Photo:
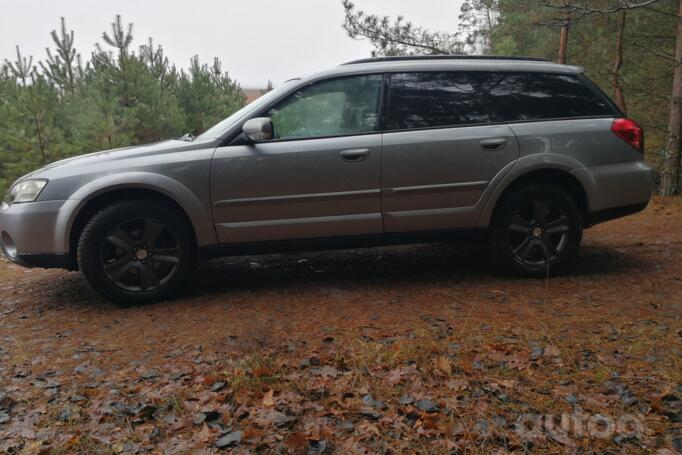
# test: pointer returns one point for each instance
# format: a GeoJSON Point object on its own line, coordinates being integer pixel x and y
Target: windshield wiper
{"type": "Point", "coordinates": [187, 137]}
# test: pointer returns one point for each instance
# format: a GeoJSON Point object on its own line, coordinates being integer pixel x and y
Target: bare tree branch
{"type": "Point", "coordinates": [659, 11]}
{"type": "Point", "coordinates": [572, 12]}
{"type": "Point", "coordinates": [396, 37]}
{"type": "Point", "coordinates": [655, 52]}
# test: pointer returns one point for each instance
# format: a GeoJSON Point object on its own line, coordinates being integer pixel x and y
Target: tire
{"type": "Point", "coordinates": [138, 251]}
{"type": "Point", "coordinates": [536, 231]}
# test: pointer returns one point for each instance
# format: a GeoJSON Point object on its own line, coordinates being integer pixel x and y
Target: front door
{"type": "Point", "coordinates": [440, 151]}
{"type": "Point", "coordinates": [318, 177]}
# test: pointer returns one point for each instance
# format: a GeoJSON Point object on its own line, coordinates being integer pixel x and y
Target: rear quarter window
{"type": "Point", "coordinates": [535, 96]}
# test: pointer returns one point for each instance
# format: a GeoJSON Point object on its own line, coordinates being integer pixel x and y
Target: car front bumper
{"type": "Point", "coordinates": [31, 234]}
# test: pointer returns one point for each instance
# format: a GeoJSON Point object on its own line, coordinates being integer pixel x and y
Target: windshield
{"type": "Point", "coordinates": [218, 129]}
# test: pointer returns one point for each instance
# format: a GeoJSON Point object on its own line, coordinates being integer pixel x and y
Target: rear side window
{"type": "Point", "coordinates": [536, 96]}
{"type": "Point", "coordinates": [433, 99]}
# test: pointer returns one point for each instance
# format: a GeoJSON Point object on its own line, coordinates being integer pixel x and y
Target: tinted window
{"type": "Point", "coordinates": [534, 96]}
{"type": "Point", "coordinates": [433, 99]}
{"type": "Point", "coordinates": [329, 108]}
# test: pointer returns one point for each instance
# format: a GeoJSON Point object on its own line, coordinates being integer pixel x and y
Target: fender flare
{"type": "Point", "coordinates": [196, 212]}
{"type": "Point", "coordinates": [538, 162]}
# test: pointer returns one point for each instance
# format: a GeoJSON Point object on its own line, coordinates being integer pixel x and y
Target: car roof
{"type": "Point", "coordinates": [403, 58]}
{"type": "Point", "coordinates": [446, 63]}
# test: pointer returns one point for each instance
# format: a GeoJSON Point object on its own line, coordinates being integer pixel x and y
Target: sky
{"type": "Point", "coordinates": [257, 40]}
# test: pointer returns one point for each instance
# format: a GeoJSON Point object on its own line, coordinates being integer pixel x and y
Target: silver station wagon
{"type": "Point", "coordinates": [375, 151]}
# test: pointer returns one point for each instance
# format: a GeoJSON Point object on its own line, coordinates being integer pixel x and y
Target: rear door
{"type": "Point", "coordinates": [440, 152]}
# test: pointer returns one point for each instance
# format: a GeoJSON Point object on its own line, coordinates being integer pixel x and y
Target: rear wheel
{"type": "Point", "coordinates": [137, 251]}
{"type": "Point", "coordinates": [536, 230]}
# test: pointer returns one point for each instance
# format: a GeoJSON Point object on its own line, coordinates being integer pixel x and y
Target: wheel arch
{"type": "Point", "coordinates": [100, 193]}
{"type": "Point", "coordinates": [552, 174]}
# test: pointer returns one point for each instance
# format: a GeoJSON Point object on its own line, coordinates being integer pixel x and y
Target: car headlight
{"type": "Point", "coordinates": [26, 191]}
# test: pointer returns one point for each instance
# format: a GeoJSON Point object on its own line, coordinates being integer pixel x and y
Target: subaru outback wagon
{"type": "Point", "coordinates": [376, 151]}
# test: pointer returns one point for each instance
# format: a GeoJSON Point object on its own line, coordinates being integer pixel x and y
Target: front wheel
{"type": "Point", "coordinates": [536, 230]}
{"type": "Point", "coordinates": [136, 251]}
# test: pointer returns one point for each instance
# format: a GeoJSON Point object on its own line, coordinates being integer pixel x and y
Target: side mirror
{"type": "Point", "coordinates": [258, 129]}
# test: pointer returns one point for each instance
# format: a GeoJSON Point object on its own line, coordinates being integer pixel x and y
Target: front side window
{"type": "Point", "coordinates": [433, 99]}
{"type": "Point", "coordinates": [536, 96]}
{"type": "Point", "coordinates": [335, 107]}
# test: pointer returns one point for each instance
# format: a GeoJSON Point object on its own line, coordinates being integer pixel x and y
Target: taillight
{"type": "Point", "coordinates": [630, 132]}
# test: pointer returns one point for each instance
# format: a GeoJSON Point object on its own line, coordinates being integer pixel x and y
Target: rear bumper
{"type": "Point", "coordinates": [613, 213]}
{"type": "Point", "coordinates": [29, 234]}
{"type": "Point", "coordinates": [616, 188]}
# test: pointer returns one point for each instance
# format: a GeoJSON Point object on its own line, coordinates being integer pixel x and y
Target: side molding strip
{"type": "Point", "coordinates": [295, 197]}
{"type": "Point", "coordinates": [301, 221]}
{"type": "Point", "coordinates": [439, 187]}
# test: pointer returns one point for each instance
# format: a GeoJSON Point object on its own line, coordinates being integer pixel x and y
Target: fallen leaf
{"type": "Point", "coordinates": [426, 405]}
{"type": "Point", "coordinates": [457, 385]}
{"type": "Point", "coordinates": [268, 399]}
{"type": "Point", "coordinates": [443, 365]}
{"type": "Point", "coordinates": [326, 372]}
{"type": "Point", "coordinates": [296, 442]}
{"type": "Point", "coordinates": [551, 351]}
{"type": "Point", "coordinates": [230, 439]}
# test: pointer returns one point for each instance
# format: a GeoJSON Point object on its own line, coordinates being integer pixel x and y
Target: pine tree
{"type": "Point", "coordinates": [207, 94]}
{"type": "Point", "coordinates": [64, 68]}
{"type": "Point", "coordinates": [477, 21]}
{"type": "Point", "coordinates": [121, 38]}
{"type": "Point", "coordinates": [267, 88]}
{"type": "Point", "coordinates": [67, 105]}
{"type": "Point", "coordinates": [21, 68]}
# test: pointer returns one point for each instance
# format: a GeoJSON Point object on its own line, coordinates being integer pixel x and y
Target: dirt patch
{"type": "Point", "coordinates": [407, 349]}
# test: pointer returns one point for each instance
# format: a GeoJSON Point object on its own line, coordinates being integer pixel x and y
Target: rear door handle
{"type": "Point", "coordinates": [494, 144]}
{"type": "Point", "coordinates": [354, 155]}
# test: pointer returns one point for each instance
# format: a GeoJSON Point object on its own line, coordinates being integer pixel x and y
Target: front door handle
{"type": "Point", "coordinates": [354, 155]}
{"type": "Point", "coordinates": [494, 144]}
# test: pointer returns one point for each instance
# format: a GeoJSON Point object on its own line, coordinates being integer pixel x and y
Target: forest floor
{"type": "Point", "coordinates": [410, 349]}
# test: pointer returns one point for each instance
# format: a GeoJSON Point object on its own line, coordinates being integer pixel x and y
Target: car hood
{"type": "Point", "coordinates": [123, 153]}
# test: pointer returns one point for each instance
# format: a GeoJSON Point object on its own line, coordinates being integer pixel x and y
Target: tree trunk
{"type": "Point", "coordinates": [671, 159]}
{"type": "Point", "coordinates": [563, 41]}
{"type": "Point", "coordinates": [41, 144]}
{"type": "Point", "coordinates": [618, 64]}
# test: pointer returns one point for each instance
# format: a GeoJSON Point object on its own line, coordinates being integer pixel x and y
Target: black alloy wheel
{"type": "Point", "coordinates": [140, 254]}
{"type": "Point", "coordinates": [137, 251]}
{"type": "Point", "coordinates": [536, 230]}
